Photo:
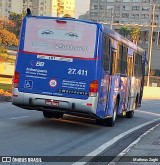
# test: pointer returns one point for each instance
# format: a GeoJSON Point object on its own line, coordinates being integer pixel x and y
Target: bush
{"type": "Point", "coordinates": [3, 50]}
{"type": "Point", "coordinates": [3, 54]}
{"type": "Point", "coordinates": [2, 92]}
{"type": "Point", "coordinates": [5, 87]}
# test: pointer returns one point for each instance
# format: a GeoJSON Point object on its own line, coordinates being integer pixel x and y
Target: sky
{"type": "Point", "coordinates": [81, 7]}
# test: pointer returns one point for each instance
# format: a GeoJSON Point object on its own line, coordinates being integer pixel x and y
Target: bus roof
{"type": "Point", "coordinates": [120, 38]}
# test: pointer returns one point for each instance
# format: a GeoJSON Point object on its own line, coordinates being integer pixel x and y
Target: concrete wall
{"type": "Point", "coordinates": [151, 93]}
{"type": "Point", "coordinates": [155, 61]}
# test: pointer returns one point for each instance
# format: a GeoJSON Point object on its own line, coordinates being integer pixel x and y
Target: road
{"type": "Point", "coordinates": [27, 133]}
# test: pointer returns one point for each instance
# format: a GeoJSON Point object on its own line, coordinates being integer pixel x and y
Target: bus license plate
{"type": "Point", "coordinates": [52, 102]}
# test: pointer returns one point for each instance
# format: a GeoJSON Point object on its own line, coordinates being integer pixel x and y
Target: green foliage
{"type": "Point", "coordinates": [134, 33]}
{"type": "Point", "coordinates": [6, 87]}
{"type": "Point", "coordinates": [157, 72]}
{"type": "Point", "coordinates": [124, 31]}
{"type": "Point", "coordinates": [17, 19]}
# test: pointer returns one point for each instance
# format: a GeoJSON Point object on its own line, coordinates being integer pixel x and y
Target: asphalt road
{"type": "Point", "coordinates": [28, 133]}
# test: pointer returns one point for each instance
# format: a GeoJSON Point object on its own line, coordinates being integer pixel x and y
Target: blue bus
{"type": "Point", "coordinates": [77, 67]}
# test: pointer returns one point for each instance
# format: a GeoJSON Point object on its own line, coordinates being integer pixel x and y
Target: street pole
{"type": "Point", "coordinates": [150, 46]}
{"type": "Point", "coordinates": [111, 23]}
{"type": "Point", "coordinates": [158, 38]}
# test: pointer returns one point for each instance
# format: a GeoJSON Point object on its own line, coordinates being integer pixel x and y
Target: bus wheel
{"type": "Point", "coordinates": [130, 114]}
{"type": "Point", "coordinates": [111, 121]}
{"type": "Point", "coordinates": [135, 106]}
{"type": "Point", "coordinates": [99, 121]}
{"type": "Point", "coordinates": [57, 115]}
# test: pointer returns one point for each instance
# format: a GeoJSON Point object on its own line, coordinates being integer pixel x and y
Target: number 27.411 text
{"type": "Point", "coordinates": [80, 72]}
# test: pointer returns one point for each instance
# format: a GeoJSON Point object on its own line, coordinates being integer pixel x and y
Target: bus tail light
{"type": "Point", "coordinates": [93, 88]}
{"type": "Point", "coordinates": [61, 21]}
{"type": "Point", "coordinates": [16, 79]}
{"type": "Point", "coordinates": [89, 104]}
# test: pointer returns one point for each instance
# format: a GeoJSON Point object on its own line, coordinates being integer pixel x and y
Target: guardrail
{"type": "Point", "coordinates": [151, 93]}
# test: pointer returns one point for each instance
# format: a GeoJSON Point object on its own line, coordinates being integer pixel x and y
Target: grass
{"type": "Point", "coordinates": [6, 87]}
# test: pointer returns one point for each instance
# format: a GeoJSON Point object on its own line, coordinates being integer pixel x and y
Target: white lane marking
{"type": "Point", "coordinates": [150, 103]}
{"type": "Point", "coordinates": [150, 100]}
{"type": "Point", "coordinates": [111, 142]}
{"type": "Point", "coordinates": [126, 150]}
{"type": "Point", "coordinates": [151, 113]}
{"type": "Point", "coordinates": [20, 117]}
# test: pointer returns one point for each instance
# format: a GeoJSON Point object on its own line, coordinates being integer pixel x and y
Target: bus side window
{"type": "Point", "coordinates": [137, 64]}
{"type": "Point", "coordinates": [114, 61]}
{"type": "Point", "coordinates": [130, 66]}
{"type": "Point", "coordinates": [106, 52]}
{"type": "Point", "coordinates": [122, 59]}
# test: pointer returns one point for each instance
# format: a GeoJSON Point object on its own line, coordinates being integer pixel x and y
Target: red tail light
{"type": "Point", "coordinates": [16, 79]}
{"type": "Point", "coordinates": [93, 86]}
{"type": "Point", "coordinates": [61, 21]}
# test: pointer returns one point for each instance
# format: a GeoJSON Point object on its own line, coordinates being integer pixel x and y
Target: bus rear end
{"type": "Point", "coordinates": [56, 68]}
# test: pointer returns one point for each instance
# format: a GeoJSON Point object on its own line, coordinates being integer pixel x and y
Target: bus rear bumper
{"type": "Point", "coordinates": [62, 104]}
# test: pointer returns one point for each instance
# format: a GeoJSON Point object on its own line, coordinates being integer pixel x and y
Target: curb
{"type": "Point", "coordinates": [126, 150]}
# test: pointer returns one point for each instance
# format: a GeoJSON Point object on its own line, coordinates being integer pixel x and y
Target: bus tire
{"type": "Point", "coordinates": [111, 121]}
{"type": "Point", "coordinates": [57, 115]}
{"type": "Point", "coordinates": [136, 102]}
{"type": "Point", "coordinates": [99, 122]}
{"type": "Point", "coordinates": [130, 114]}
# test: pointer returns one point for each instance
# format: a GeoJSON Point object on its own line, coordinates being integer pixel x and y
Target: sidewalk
{"type": "Point", "coordinates": [145, 152]}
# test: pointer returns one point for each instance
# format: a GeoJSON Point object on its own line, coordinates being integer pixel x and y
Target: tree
{"type": "Point", "coordinates": [17, 19]}
{"type": "Point", "coordinates": [7, 38]}
{"type": "Point", "coordinates": [157, 72]}
{"type": "Point", "coordinates": [5, 22]}
{"type": "Point", "coordinates": [134, 34]}
{"type": "Point", "coordinates": [124, 31]}
{"type": "Point", "coordinates": [152, 72]}
{"type": "Point", "coordinates": [3, 54]}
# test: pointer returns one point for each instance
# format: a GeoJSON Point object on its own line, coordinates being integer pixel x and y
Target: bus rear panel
{"type": "Point", "coordinates": [57, 65]}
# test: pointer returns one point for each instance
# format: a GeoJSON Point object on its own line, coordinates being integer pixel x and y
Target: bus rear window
{"type": "Point", "coordinates": [47, 36]}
